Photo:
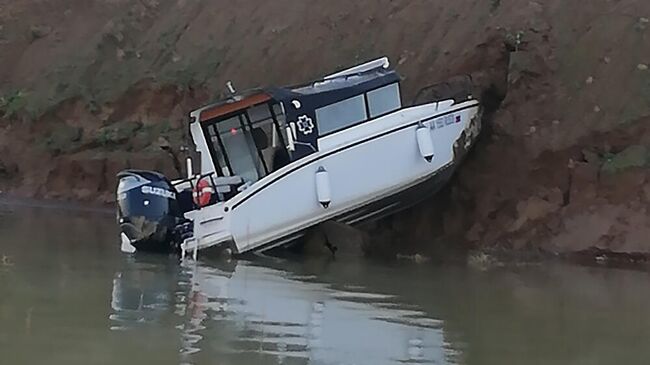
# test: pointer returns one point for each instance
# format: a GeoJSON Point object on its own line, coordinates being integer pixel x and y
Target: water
{"type": "Point", "coordinates": [67, 296]}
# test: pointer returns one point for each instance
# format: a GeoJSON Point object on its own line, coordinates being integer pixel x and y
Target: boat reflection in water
{"type": "Point", "coordinates": [243, 313]}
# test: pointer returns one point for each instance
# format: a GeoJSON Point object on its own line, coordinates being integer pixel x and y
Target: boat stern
{"type": "Point", "coordinates": [211, 229]}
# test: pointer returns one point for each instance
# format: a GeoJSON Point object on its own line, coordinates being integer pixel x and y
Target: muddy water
{"type": "Point", "coordinates": [68, 297]}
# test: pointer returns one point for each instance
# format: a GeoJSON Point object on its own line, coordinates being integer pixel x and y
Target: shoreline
{"type": "Point", "coordinates": [482, 259]}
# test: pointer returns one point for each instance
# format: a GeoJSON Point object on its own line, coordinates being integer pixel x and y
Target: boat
{"type": "Point", "coordinates": [273, 163]}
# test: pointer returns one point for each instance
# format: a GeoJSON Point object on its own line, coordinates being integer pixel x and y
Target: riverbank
{"type": "Point", "coordinates": [89, 88]}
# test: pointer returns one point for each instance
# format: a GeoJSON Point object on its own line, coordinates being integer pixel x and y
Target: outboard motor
{"type": "Point", "coordinates": [148, 211]}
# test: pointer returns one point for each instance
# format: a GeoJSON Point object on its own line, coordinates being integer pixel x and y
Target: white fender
{"type": "Point", "coordinates": [126, 247]}
{"type": "Point", "coordinates": [425, 143]}
{"type": "Point", "coordinates": [323, 187]}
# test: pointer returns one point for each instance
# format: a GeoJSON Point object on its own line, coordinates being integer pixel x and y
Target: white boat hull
{"type": "Point", "coordinates": [369, 169]}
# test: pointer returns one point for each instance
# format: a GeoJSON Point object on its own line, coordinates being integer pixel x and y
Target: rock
{"type": "Point", "coordinates": [633, 156]}
{"type": "Point", "coordinates": [612, 228]}
{"type": "Point", "coordinates": [39, 31]}
{"type": "Point", "coordinates": [555, 196]}
{"type": "Point", "coordinates": [163, 143]}
{"type": "Point", "coordinates": [481, 261]}
{"type": "Point", "coordinates": [417, 258]}
{"type": "Point", "coordinates": [63, 138]}
{"type": "Point", "coordinates": [584, 178]}
{"type": "Point", "coordinates": [554, 224]}
{"type": "Point", "coordinates": [607, 60]}
{"type": "Point", "coordinates": [623, 187]}
{"type": "Point", "coordinates": [342, 237]}
{"type": "Point", "coordinates": [597, 109]}
{"type": "Point", "coordinates": [642, 67]}
{"type": "Point", "coordinates": [646, 192]}
{"type": "Point", "coordinates": [117, 133]}
{"type": "Point", "coordinates": [571, 164]}
{"type": "Point", "coordinates": [591, 156]}
{"type": "Point", "coordinates": [590, 80]}
{"type": "Point", "coordinates": [474, 234]}
{"type": "Point", "coordinates": [524, 63]}
{"type": "Point", "coordinates": [584, 230]}
{"type": "Point", "coordinates": [85, 194]}
{"type": "Point", "coordinates": [536, 208]}
{"type": "Point", "coordinates": [504, 123]}
{"type": "Point", "coordinates": [4, 170]}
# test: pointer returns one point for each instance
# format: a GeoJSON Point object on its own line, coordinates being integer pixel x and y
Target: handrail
{"type": "Point", "coordinates": [196, 178]}
{"type": "Point", "coordinates": [464, 82]}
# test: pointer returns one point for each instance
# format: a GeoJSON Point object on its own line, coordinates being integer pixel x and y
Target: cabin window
{"type": "Point", "coordinates": [384, 100]}
{"type": "Point", "coordinates": [216, 148]}
{"type": "Point", "coordinates": [240, 147]}
{"type": "Point", "coordinates": [250, 144]}
{"type": "Point", "coordinates": [270, 135]}
{"type": "Point", "coordinates": [262, 122]}
{"type": "Point", "coordinates": [341, 115]}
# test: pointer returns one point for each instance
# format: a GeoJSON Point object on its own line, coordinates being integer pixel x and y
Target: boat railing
{"type": "Point", "coordinates": [217, 195]}
{"type": "Point", "coordinates": [458, 88]}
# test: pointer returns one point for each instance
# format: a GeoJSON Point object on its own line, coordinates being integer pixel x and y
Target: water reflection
{"type": "Point", "coordinates": [70, 297]}
{"type": "Point", "coordinates": [249, 313]}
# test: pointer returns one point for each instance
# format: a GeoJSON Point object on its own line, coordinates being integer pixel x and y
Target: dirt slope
{"type": "Point", "coordinates": [88, 86]}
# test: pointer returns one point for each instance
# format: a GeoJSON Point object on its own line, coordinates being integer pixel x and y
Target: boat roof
{"type": "Point", "coordinates": [328, 90]}
{"type": "Point", "coordinates": [331, 90]}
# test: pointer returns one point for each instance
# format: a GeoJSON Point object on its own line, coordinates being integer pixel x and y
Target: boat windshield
{"type": "Point", "coordinates": [249, 143]}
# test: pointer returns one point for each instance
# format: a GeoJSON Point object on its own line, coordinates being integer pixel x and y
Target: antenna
{"type": "Point", "coordinates": [231, 88]}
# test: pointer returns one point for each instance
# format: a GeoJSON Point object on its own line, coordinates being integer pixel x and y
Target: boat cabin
{"type": "Point", "coordinates": [254, 134]}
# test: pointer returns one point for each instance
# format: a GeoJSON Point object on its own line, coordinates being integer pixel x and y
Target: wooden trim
{"type": "Point", "coordinates": [228, 108]}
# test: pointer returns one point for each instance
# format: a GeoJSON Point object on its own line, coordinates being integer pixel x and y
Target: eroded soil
{"type": "Point", "coordinates": [88, 87]}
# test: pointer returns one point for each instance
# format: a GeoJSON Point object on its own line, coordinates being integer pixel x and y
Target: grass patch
{"type": "Point", "coordinates": [633, 156]}
{"type": "Point", "coordinates": [117, 133]}
{"type": "Point", "coordinates": [63, 139]}
{"type": "Point", "coordinates": [13, 103]}
{"type": "Point", "coordinates": [515, 40]}
{"type": "Point", "coordinates": [494, 5]}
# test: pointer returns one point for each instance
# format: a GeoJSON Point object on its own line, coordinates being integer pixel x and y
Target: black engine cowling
{"type": "Point", "coordinates": [148, 210]}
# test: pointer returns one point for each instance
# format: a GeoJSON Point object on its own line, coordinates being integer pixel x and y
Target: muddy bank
{"type": "Point", "coordinates": [88, 88]}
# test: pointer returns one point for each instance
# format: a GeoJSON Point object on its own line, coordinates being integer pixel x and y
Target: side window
{"type": "Point", "coordinates": [240, 148]}
{"type": "Point", "coordinates": [263, 118]}
{"type": "Point", "coordinates": [216, 147]}
{"type": "Point", "coordinates": [340, 115]}
{"type": "Point", "coordinates": [384, 100]}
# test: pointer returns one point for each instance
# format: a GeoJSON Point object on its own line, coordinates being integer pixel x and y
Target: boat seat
{"type": "Point", "coordinates": [280, 158]}
{"type": "Point", "coordinates": [226, 186]}
{"type": "Point", "coordinates": [185, 200]}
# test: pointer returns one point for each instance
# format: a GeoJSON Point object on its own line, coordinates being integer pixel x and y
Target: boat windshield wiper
{"type": "Point", "coordinates": [306, 144]}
